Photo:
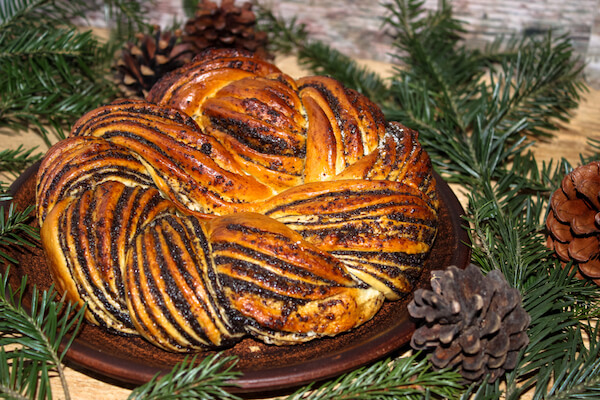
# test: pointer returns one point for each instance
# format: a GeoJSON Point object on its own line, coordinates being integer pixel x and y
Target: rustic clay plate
{"type": "Point", "coordinates": [265, 368]}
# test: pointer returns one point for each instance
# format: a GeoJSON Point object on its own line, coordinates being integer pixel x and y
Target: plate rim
{"type": "Point", "coordinates": [268, 380]}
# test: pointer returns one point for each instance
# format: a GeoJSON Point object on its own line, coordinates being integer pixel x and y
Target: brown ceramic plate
{"type": "Point", "coordinates": [265, 368]}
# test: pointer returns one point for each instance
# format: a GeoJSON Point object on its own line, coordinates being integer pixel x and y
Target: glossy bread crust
{"type": "Point", "coordinates": [236, 201]}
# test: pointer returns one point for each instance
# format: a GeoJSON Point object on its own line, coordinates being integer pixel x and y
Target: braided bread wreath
{"type": "Point", "coordinates": [236, 201]}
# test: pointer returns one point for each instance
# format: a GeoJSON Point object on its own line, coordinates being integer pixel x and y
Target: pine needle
{"type": "Point", "coordinates": [190, 380]}
{"type": "Point", "coordinates": [477, 112]}
{"type": "Point", "coordinates": [53, 71]}
{"type": "Point", "coordinates": [406, 378]}
{"type": "Point", "coordinates": [34, 334]}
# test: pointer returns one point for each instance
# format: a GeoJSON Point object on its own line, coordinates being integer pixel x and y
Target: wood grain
{"type": "Point", "coordinates": [568, 142]}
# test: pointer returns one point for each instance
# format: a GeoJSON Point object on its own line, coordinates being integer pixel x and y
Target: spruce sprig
{"type": "Point", "coordinates": [447, 88]}
{"type": "Point", "coordinates": [284, 36]}
{"type": "Point", "coordinates": [288, 36]}
{"type": "Point", "coordinates": [14, 13]}
{"type": "Point", "coordinates": [125, 18]}
{"type": "Point", "coordinates": [582, 382]}
{"type": "Point", "coordinates": [15, 230]}
{"type": "Point", "coordinates": [323, 60]}
{"type": "Point", "coordinates": [207, 379]}
{"type": "Point", "coordinates": [52, 71]}
{"type": "Point", "coordinates": [14, 161]}
{"type": "Point", "coordinates": [514, 243]}
{"type": "Point", "coordinates": [31, 339]}
{"type": "Point", "coordinates": [42, 69]}
{"type": "Point", "coordinates": [477, 113]}
{"type": "Point", "coordinates": [402, 378]}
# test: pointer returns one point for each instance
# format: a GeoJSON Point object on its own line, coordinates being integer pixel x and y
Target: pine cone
{"type": "Point", "coordinates": [227, 26]}
{"type": "Point", "coordinates": [574, 220]}
{"type": "Point", "coordinates": [473, 322]}
{"type": "Point", "coordinates": [144, 62]}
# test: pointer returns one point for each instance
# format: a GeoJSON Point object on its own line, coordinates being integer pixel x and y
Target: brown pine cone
{"type": "Point", "coordinates": [145, 61]}
{"type": "Point", "coordinates": [225, 26]}
{"type": "Point", "coordinates": [473, 322]}
{"type": "Point", "coordinates": [574, 220]}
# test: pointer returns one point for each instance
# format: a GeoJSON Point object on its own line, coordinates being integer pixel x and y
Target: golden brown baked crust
{"type": "Point", "coordinates": [236, 201]}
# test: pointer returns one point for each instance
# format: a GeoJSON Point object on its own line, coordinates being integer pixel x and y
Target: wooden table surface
{"type": "Point", "coordinates": [569, 142]}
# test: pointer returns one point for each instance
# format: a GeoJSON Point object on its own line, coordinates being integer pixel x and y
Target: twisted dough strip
{"type": "Point", "coordinates": [239, 202]}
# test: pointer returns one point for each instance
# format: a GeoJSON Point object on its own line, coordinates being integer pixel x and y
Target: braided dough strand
{"type": "Point", "coordinates": [236, 201]}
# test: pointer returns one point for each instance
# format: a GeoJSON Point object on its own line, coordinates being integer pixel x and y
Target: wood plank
{"type": "Point", "coordinates": [568, 142]}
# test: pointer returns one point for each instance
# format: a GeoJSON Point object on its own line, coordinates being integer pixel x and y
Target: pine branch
{"type": "Point", "coordinates": [15, 161]}
{"type": "Point", "coordinates": [189, 7]}
{"type": "Point", "coordinates": [14, 13]}
{"type": "Point", "coordinates": [43, 84]}
{"type": "Point", "coordinates": [34, 335]}
{"type": "Point", "coordinates": [205, 380]}
{"type": "Point", "coordinates": [582, 379]}
{"type": "Point", "coordinates": [483, 126]}
{"type": "Point", "coordinates": [124, 17]}
{"type": "Point", "coordinates": [531, 87]}
{"type": "Point", "coordinates": [317, 57]}
{"type": "Point", "coordinates": [283, 36]}
{"type": "Point", "coordinates": [428, 44]}
{"type": "Point", "coordinates": [505, 218]}
{"type": "Point", "coordinates": [475, 130]}
{"type": "Point", "coordinates": [52, 71]}
{"type": "Point", "coordinates": [592, 153]}
{"type": "Point", "coordinates": [542, 84]}
{"type": "Point", "coordinates": [321, 59]}
{"type": "Point", "coordinates": [15, 230]}
{"type": "Point", "coordinates": [555, 337]}
{"type": "Point", "coordinates": [16, 377]}
{"type": "Point", "coordinates": [406, 378]}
